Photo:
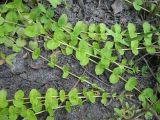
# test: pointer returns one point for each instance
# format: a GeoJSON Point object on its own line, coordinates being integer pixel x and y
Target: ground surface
{"type": "Point", "coordinates": [27, 74]}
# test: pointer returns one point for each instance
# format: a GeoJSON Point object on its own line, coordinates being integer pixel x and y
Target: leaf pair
{"type": "Point", "coordinates": [34, 30]}
{"type": "Point", "coordinates": [106, 54]}
{"type": "Point", "coordinates": [97, 32]}
{"type": "Point", "coordinates": [137, 4]}
{"type": "Point", "coordinates": [83, 51]}
{"type": "Point", "coordinates": [51, 101]}
{"type": "Point", "coordinates": [115, 76]}
{"type": "Point", "coordinates": [34, 96]}
{"type": "Point", "coordinates": [18, 99]}
{"type": "Point", "coordinates": [73, 97]}
{"type": "Point", "coordinates": [147, 94]}
{"type": "Point", "coordinates": [55, 42]}
{"type": "Point", "coordinates": [148, 38]}
{"type": "Point", "coordinates": [133, 34]}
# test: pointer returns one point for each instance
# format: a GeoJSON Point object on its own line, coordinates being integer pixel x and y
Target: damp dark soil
{"type": "Point", "coordinates": [27, 74]}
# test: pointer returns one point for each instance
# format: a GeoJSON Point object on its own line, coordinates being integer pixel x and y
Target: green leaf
{"type": "Point", "coordinates": [20, 42]}
{"type": "Point", "coordinates": [8, 42]}
{"type": "Point", "coordinates": [36, 53]}
{"type": "Point", "coordinates": [54, 3]}
{"type": "Point", "coordinates": [65, 70]}
{"type": "Point", "coordinates": [145, 94]}
{"type": "Point", "coordinates": [156, 106]}
{"type": "Point", "coordinates": [50, 118]}
{"type": "Point", "coordinates": [1, 20]}
{"type": "Point", "coordinates": [117, 28]}
{"type": "Point", "coordinates": [151, 50]}
{"type": "Point", "coordinates": [9, 59]}
{"type": "Point", "coordinates": [114, 78]}
{"type": "Point", "coordinates": [69, 50]}
{"type": "Point", "coordinates": [8, 28]}
{"type": "Point", "coordinates": [118, 38]}
{"type": "Point", "coordinates": [34, 30]}
{"type": "Point", "coordinates": [23, 111]}
{"type": "Point", "coordinates": [96, 48]}
{"type": "Point", "coordinates": [59, 35]}
{"type": "Point", "coordinates": [54, 26]}
{"type": "Point", "coordinates": [3, 39]}
{"type": "Point", "coordinates": [131, 84]}
{"type": "Point", "coordinates": [146, 27]}
{"type": "Point", "coordinates": [68, 106]}
{"type": "Point", "coordinates": [79, 27]}
{"type": "Point", "coordinates": [31, 31]}
{"type": "Point", "coordinates": [119, 49]}
{"type": "Point", "coordinates": [53, 61]}
{"type": "Point", "coordinates": [15, 48]}
{"type": "Point", "coordinates": [99, 69]}
{"type": "Point", "coordinates": [93, 36]}
{"type": "Point", "coordinates": [51, 101]}
{"type": "Point", "coordinates": [13, 113]}
{"type": "Point", "coordinates": [91, 96]}
{"type": "Point", "coordinates": [82, 52]}
{"type": "Point", "coordinates": [4, 114]}
{"type": "Point", "coordinates": [148, 115]}
{"type": "Point", "coordinates": [103, 36]}
{"type": "Point", "coordinates": [30, 115]}
{"type": "Point", "coordinates": [85, 60]}
{"type": "Point", "coordinates": [102, 28]}
{"type": "Point", "coordinates": [132, 30]}
{"type": "Point", "coordinates": [16, 4]}
{"type": "Point", "coordinates": [12, 16]}
{"type": "Point", "coordinates": [118, 111]}
{"type": "Point", "coordinates": [62, 21]}
{"type": "Point", "coordinates": [3, 99]}
{"type": "Point", "coordinates": [18, 99]}
{"type": "Point", "coordinates": [147, 38]}
{"type": "Point", "coordinates": [73, 96]}
{"type": "Point", "coordinates": [83, 78]}
{"type": "Point", "coordinates": [50, 12]}
{"type": "Point", "coordinates": [19, 95]}
{"type": "Point", "coordinates": [134, 46]}
{"type": "Point", "coordinates": [104, 98]}
{"type": "Point", "coordinates": [108, 45]}
{"type": "Point", "coordinates": [53, 44]}
{"type": "Point", "coordinates": [44, 20]}
{"type": "Point", "coordinates": [137, 4]}
{"type": "Point", "coordinates": [34, 14]}
{"type": "Point", "coordinates": [92, 27]}
{"type": "Point", "coordinates": [20, 32]}
{"type": "Point", "coordinates": [33, 44]}
{"type": "Point", "coordinates": [42, 8]}
{"type": "Point", "coordinates": [62, 95]}
{"type": "Point", "coordinates": [35, 101]}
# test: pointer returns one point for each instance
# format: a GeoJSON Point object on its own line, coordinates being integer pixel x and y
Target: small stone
{"type": "Point", "coordinates": [23, 75]}
{"type": "Point", "coordinates": [37, 64]}
{"type": "Point", "coordinates": [18, 65]}
{"type": "Point", "coordinates": [117, 6]}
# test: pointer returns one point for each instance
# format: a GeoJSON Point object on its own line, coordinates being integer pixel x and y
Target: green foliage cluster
{"type": "Point", "coordinates": [20, 26]}
{"type": "Point", "coordinates": [151, 7]}
{"type": "Point", "coordinates": [137, 4]}
{"type": "Point", "coordinates": [28, 107]}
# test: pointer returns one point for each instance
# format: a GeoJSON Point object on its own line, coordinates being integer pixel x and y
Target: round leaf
{"type": "Point", "coordinates": [131, 83]}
